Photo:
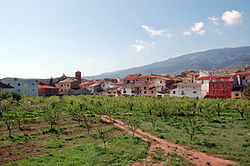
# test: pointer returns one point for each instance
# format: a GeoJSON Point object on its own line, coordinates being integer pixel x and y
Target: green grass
{"type": "Point", "coordinates": [228, 138]}
{"type": "Point", "coordinates": [176, 160]}
{"type": "Point", "coordinates": [121, 150]}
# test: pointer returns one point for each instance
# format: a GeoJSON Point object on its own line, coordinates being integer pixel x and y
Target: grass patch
{"type": "Point", "coordinates": [122, 150]}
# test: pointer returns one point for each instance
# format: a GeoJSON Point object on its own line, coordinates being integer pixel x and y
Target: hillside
{"type": "Point", "coordinates": [224, 58]}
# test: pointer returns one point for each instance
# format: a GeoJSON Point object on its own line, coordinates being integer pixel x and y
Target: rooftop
{"type": "Point", "coordinates": [214, 78]}
{"type": "Point", "coordinates": [2, 85]}
{"type": "Point", "coordinates": [68, 80]}
{"type": "Point", "coordinates": [131, 77]}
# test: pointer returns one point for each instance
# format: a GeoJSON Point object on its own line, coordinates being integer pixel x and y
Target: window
{"type": "Point", "coordinates": [33, 89]}
{"type": "Point", "coordinates": [145, 92]}
{"type": "Point", "coordinates": [215, 85]}
{"type": "Point", "coordinates": [224, 91]}
{"type": "Point", "coordinates": [182, 93]}
{"type": "Point", "coordinates": [173, 92]}
{"type": "Point", "coordinates": [145, 87]}
{"type": "Point", "coordinates": [33, 84]}
{"type": "Point", "coordinates": [18, 90]}
{"type": "Point", "coordinates": [8, 83]}
{"type": "Point", "coordinates": [215, 91]}
{"type": "Point", "coordinates": [160, 81]}
{"type": "Point", "coordinates": [237, 94]}
{"type": "Point", "coordinates": [18, 84]}
{"type": "Point", "coordinates": [124, 91]}
{"type": "Point", "coordinates": [194, 91]}
{"type": "Point", "coordinates": [225, 85]}
{"type": "Point", "coordinates": [152, 91]}
{"type": "Point", "coordinates": [132, 91]}
{"type": "Point", "coordinates": [147, 79]}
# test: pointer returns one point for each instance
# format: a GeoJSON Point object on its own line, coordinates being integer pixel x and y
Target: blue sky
{"type": "Point", "coordinates": [44, 38]}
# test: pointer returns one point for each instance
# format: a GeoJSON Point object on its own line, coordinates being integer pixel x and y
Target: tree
{"type": "Point", "coordinates": [103, 134]}
{"type": "Point", "coordinates": [52, 113]}
{"type": "Point", "coordinates": [133, 124]}
{"type": "Point", "coordinates": [51, 82]}
{"type": "Point", "coordinates": [192, 125]}
{"type": "Point", "coordinates": [4, 95]}
{"type": "Point", "coordinates": [8, 115]}
{"type": "Point", "coordinates": [16, 96]}
{"type": "Point", "coordinates": [242, 106]}
{"type": "Point", "coordinates": [246, 91]}
{"type": "Point", "coordinates": [21, 109]}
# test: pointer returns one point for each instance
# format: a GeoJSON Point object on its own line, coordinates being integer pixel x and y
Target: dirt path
{"type": "Point", "coordinates": [198, 158]}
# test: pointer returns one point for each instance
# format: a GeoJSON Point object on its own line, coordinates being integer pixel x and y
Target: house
{"type": "Point", "coordinates": [67, 85]}
{"type": "Point", "coordinates": [187, 90]}
{"type": "Point", "coordinates": [114, 91]}
{"type": "Point", "coordinates": [130, 79]}
{"type": "Point", "coordinates": [206, 73]}
{"type": "Point", "coordinates": [108, 83]}
{"type": "Point", "coordinates": [237, 93]}
{"type": "Point", "coordinates": [86, 84]}
{"type": "Point", "coordinates": [243, 78]}
{"type": "Point", "coordinates": [5, 87]}
{"type": "Point", "coordinates": [247, 68]}
{"type": "Point", "coordinates": [221, 86]}
{"type": "Point", "coordinates": [27, 87]}
{"type": "Point", "coordinates": [94, 88]}
{"type": "Point", "coordinates": [150, 90]}
{"type": "Point", "coordinates": [128, 90]}
{"type": "Point", "coordinates": [46, 90]}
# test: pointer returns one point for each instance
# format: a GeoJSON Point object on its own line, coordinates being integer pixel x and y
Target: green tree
{"type": "Point", "coordinates": [103, 134]}
{"type": "Point", "coordinates": [51, 82]}
{"type": "Point", "coordinates": [133, 124]}
{"type": "Point", "coordinates": [4, 95]}
{"type": "Point", "coordinates": [242, 106]}
{"type": "Point", "coordinates": [246, 90]}
{"type": "Point", "coordinates": [192, 125]}
{"type": "Point", "coordinates": [52, 113]}
{"type": "Point", "coordinates": [8, 115]}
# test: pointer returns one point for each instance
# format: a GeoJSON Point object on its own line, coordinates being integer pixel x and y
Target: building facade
{"type": "Point", "coordinates": [27, 87]}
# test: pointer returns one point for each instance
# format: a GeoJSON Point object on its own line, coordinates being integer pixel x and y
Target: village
{"type": "Point", "coordinates": [205, 84]}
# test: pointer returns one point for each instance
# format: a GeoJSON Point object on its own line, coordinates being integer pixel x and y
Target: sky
{"type": "Point", "coordinates": [46, 38]}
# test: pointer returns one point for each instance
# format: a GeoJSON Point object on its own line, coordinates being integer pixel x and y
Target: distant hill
{"type": "Point", "coordinates": [224, 58]}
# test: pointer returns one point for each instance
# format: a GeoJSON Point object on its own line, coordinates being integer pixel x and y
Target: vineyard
{"type": "Point", "coordinates": [105, 130]}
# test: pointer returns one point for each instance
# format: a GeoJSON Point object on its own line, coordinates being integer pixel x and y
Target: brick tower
{"type": "Point", "coordinates": [78, 77]}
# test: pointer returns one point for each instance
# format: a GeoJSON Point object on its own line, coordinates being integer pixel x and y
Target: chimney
{"type": "Point", "coordinates": [78, 77]}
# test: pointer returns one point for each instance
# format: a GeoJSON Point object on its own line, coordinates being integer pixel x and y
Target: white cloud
{"type": "Point", "coordinates": [152, 31]}
{"type": "Point", "coordinates": [140, 45]}
{"type": "Point", "coordinates": [197, 26]}
{"type": "Point", "coordinates": [213, 20]}
{"type": "Point", "coordinates": [201, 32]}
{"type": "Point", "coordinates": [187, 33]}
{"type": "Point", "coordinates": [232, 17]}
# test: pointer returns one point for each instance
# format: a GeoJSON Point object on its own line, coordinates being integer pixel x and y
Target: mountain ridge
{"type": "Point", "coordinates": [212, 59]}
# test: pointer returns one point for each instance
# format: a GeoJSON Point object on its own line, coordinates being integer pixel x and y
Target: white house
{"type": "Point", "coordinates": [27, 87]}
{"type": "Point", "coordinates": [5, 87]}
{"type": "Point", "coordinates": [187, 90]}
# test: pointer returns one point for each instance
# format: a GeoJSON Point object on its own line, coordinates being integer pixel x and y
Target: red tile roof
{"type": "Point", "coordinates": [148, 84]}
{"type": "Point", "coordinates": [46, 87]}
{"type": "Point", "coordinates": [2, 85]}
{"type": "Point", "coordinates": [214, 77]}
{"type": "Point", "coordinates": [131, 77]}
{"type": "Point", "coordinates": [243, 73]}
